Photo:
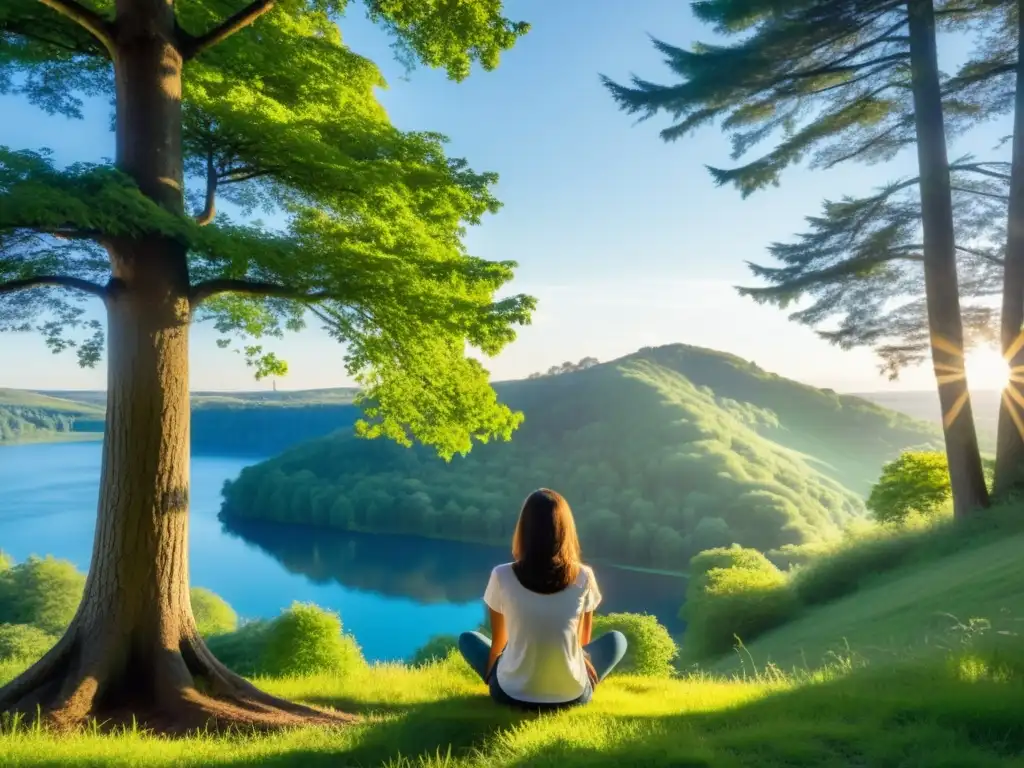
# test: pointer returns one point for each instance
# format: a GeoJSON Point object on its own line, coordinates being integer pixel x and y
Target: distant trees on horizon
{"type": "Point", "coordinates": [567, 367]}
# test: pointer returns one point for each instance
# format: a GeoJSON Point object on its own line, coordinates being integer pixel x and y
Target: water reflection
{"type": "Point", "coordinates": [433, 572]}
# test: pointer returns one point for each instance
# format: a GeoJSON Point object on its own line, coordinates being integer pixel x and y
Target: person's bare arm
{"type": "Point", "coordinates": [499, 638]}
{"type": "Point", "coordinates": [586, 627]}
{"type": "Point", "coordinates": [586, 630]}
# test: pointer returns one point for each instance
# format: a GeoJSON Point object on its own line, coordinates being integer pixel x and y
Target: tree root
{"type": "Point", "coordinates": [175, 693]}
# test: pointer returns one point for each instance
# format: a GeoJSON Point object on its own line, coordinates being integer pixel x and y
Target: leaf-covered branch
{"type": "Point", "coordinates": [58, 281]}
{"type": "Point", "coordinates": [87, 19]}
{"type": "Point", "coordinates": [191, 46]}
{"type": "Point", "coordinates": [210, 288]}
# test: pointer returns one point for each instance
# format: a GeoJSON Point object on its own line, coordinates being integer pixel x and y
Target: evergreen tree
{"type": "Point", "coordinates": [995, 73]}
{"type": "Point", "coordinates": [266, 108]}
{"type": "Point", "coordinates": [840, 80]}
{"type": "Point", "coordinates": [861, 263]}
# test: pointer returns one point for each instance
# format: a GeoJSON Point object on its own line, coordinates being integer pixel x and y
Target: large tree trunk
{"type": "Point", "coordinates": [132, 649]}
{"type": "Point", "coordinates": [941, 285]}
{"type": "Point", "coordinates": [1010, 444]}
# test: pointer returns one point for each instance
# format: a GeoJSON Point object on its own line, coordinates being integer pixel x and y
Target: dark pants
{"type": "Point", "coordinates": [605, 652]}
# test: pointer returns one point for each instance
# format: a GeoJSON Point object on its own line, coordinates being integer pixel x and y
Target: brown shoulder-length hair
{"type": "Point", "coordinates": [545, 545]}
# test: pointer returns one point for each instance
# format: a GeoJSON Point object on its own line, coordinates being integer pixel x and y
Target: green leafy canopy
{"type": "Point", "coordinates": [278, 119]}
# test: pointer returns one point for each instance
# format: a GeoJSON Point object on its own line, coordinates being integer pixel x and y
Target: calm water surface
{"type": "Point", "coordinates": [393, 593]}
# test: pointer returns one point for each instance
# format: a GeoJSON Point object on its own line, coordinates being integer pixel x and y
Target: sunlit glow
{"type": "Point", "coordinates": [986, 369]}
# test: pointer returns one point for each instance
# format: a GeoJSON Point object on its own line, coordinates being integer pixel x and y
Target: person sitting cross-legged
{"type": "Point", "coordinates": [541, 606]}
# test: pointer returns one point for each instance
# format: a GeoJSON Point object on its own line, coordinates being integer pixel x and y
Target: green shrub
{"type": "Point", "coordinates": [303, 640]}
{"type": "Point", "coordinates": [242, 650]}
{"type": "Point", "coordinates": [792, 556]}
{"type": "Point", "coordinates": [847, 565]}
{"type": "Point", "coordinates": [6, 561]}
{"type": "Point", "coordinates": [651, 648]}
{"type": "Point", "coordinates": [916, 482]}
{"type": "Point", "coordinates": [437, 648]}
{"type": "Point", "coordinates": [212, 613]}
{"type": "Point", "coordinates": [43, 592]}
{"type": "Point", "coordinates": [732, 593]}
{"type": "Point", "coordinates": [23, 643]}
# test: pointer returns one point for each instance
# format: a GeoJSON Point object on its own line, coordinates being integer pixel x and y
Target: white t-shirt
{"type": "Point", "coordinates": [543, 661]}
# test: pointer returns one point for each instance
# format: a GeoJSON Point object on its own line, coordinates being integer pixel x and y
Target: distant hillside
{"type": "Point", "coordinates": [925, 406]}
{"type": "Point", "coordinates": [237, 423]}
{"type": "Point", "coordinates": [26, 416]}
{"type": "Point", "coordinates": [662, 453]}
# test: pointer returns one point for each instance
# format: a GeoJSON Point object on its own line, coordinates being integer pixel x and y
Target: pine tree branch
{"type": "Point", "coordinates": [59, 281]}
{"type": "Point", "coordinates": [205, 290]}
{"type": "Point", "coordinates": [838, 69]}
{"type": "Point", "coordinates": [827, 274]}
{"type": "Point", "coordinates": [87, 19]}
{"type": "Point", "coordinates": [981, 193]}
{"type": "Point", "coordinates": [192, 46]}
{"type": "Point", "coordinates": [960, 82]}
{"type": "Point", "coordinates": [864, 147]}
{"type": "Point", "coordinates": [919, 247]}
{"type": "Point", "coordinates": [210, 208]}
{"type": "Point", "coordinates": [981, 168]}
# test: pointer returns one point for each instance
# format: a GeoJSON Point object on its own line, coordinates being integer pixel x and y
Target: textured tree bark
{"type": "Point", "coordinates": [1010, 442]}
{"type": "Point", "coordinates": [941, 284]}
{"type": "Point", "coordinates": [132, 650]}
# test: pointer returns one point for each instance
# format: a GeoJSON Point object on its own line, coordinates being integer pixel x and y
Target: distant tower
{"type": "Point", "coordinates": [275, 384]}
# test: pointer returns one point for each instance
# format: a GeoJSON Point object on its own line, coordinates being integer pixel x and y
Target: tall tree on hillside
{"type": "Point", "coordinates": [841, 80]}
{"type": "Point", "coordinates": [1010, 441]}
{"type": "Point", "coordinates": [993, 75]}
{"type": "Point", "coordinates": [262, 106]}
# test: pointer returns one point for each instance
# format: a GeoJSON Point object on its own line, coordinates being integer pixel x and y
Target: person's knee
{"type": "Point", "coordinates": [467, 640]}
{"type": "Point", "coordinates": [619, 641]}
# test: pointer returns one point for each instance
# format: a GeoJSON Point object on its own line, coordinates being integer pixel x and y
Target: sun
{"type": "Point", "coordinates": [986, 369]}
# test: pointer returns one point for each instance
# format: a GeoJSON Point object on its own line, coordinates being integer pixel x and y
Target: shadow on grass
{"type": "Point", "coordinates": [456, 724]}
{"type": "Point", "coordinates": [912, 717]}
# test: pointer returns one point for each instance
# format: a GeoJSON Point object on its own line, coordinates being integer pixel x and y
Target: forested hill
{"type": "Point", "coordinates": [663, 453]}
{"type": "Point", "coordinates": [255, 424]}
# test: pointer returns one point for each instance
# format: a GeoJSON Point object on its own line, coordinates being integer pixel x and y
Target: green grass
{"type": "Point", "coordinates": [952, 714]}
{"type": "Point", "coordinates": [918, 610]}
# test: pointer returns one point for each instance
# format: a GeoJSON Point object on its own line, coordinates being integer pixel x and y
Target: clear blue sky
{"type": "Point", "coordinates": [624, 239]}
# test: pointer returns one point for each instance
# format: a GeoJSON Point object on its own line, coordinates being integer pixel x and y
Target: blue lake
{"type": "Point", "coordinates": [392, 592]}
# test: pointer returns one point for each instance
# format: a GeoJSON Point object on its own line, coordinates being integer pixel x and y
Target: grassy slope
{"type": "Point", "coordinates": [17, 404]}
{"type": "Point", "coordinates": [914, 611]}
{"type": "Point", "coordinates": [951, 716]}
{"type": "Point", "coordinates": [25, 399]}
